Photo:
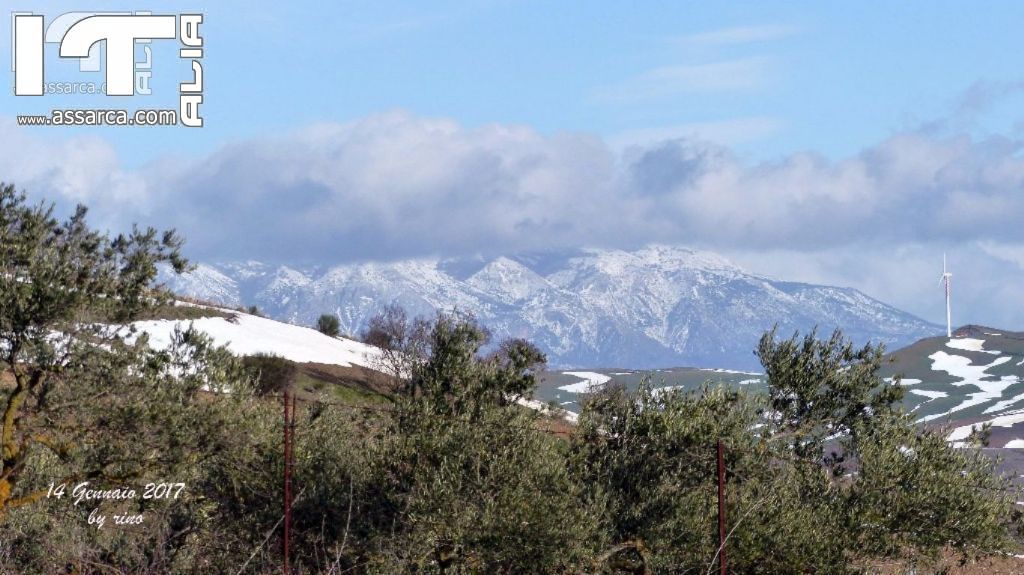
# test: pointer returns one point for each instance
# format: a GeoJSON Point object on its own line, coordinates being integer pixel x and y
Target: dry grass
{"type": "Point", "coordinates": [343, 385]}
{"type": "Point", "coordinates": [997, 566]}
{"type": "Point", "coordinates": [950, 564]}
{"type": "Point", "coordinates": [183, 312]}
{"type": "Point", "coordinates": [6, 380]}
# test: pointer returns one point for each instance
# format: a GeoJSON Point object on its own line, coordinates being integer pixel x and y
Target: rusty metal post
{"type": "Point", "coordinates": [287, 478]}
{"type": "Point", "coordinates": [721, 509]}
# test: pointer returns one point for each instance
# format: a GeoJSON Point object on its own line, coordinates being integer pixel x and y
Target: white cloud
{"type": "Point", "coordinates": [742, 74]}
{"type": "Point", "coordinates": [724, 132]}
{"type": "Point", "coordinates": [1011, 253]}
{"type": "Point", "coordinates": [397, 185]}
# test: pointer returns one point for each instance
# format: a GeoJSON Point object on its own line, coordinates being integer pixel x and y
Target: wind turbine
{"type": "Point", "coordinates": [946, 278]}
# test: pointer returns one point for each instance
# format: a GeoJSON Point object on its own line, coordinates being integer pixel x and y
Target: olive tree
{"type": "Point", "coordinates": [824, 472]}
{"type": "Point", "coordinates": [58, 280]}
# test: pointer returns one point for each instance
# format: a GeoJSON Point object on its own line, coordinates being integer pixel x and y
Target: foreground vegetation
{"type": "Point", "coordinates": [448, 474]}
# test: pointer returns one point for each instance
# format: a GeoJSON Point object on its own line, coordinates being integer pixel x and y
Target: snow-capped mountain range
{"type": "Point", "coordinates": [654, 307]}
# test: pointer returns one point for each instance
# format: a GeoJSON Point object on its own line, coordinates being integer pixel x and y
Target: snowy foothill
{"type": "Point", "coordinates": [246, 334]}
{"type": "Point", "coordinates": [591, 381]}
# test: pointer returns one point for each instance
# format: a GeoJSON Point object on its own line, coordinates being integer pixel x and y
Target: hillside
{"type": "Point", "coordinates": [331, 368]}
{"type": "Point", "coordinates": [651, 308]}
{"type": "Point", "coordinates": [977, 377]}
{"type": "Point", "coordinates": [341, 369]}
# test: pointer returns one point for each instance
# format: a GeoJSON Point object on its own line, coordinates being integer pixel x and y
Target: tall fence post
{"type": "Point", "coordinates": [289, 413]}
{"type": "Point", "coordinates": [721, 509]}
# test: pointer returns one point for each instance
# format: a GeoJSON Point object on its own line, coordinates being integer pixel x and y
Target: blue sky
{"type": "Point", "coordinates": [843, 143]}
{"type": "Point", "coordinates": [768, 78]}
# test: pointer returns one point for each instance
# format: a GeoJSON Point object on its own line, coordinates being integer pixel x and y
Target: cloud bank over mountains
{"type": "Point", "coordinates": [397, 185]}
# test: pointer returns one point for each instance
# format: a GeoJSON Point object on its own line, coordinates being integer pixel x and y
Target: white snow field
{"type": "Point", "coordinates": [591, 381]}
{"type": "Point", "coordinates": [246, 334]}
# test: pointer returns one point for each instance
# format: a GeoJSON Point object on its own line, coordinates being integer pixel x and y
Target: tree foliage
{"type": "Point", "coordinates": [825, 474]}
{"type": "Point", "coordinates": [328, 324]}
{"type": "Point", "coordinates": [475, 485]}
{"type": "Point", "coordinates": [56, 280]}
{"type": "Point", "coordinates": [451, 474]}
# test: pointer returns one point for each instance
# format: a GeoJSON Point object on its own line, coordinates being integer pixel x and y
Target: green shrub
{"type": "Point", "coordinates": [328, 324]}
{"type": "Point", "coordinates": [272, 374]}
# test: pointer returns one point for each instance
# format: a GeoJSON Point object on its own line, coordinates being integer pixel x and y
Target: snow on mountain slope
{"type": "Point", "coordinates": [508, 280]}
{"type": "Point", "coordinates": [246, 334]}
{"type": "Point", "coordinates": [658, 306]}
{"type": "Point", "coordinates": [204, 282]}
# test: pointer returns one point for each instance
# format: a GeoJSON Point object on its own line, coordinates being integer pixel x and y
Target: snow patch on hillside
{"type": "Point", "coordinates": [1005, 403]}
{"type": "Point", "coordinates": [591, 382]}
{"type": "Point", "coordinates": [903, 381]}
{"type": "Point", "coordinates": [730, 371]}
{"type": "Point", "coordinates": [545, 409]}
{"type": "Point", "coordinates": [970, 344]}
{"type": "Point", "coordinates": [969, 374]}
{"type": "Point", "coordinates": [959, 434]}
{"type": "Point", "coordinates": [929, 394]}
{"type": "Point", "coordinates": [658, 391]}
{"type": "Point", "coordinates": [246, 334]}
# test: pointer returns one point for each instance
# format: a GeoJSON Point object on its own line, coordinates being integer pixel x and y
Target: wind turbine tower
{"type": "Point", "coordinates": [946, 279]}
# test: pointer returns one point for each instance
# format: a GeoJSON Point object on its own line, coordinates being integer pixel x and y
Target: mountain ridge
{"type": "Point", "coordinates": [657, 306]}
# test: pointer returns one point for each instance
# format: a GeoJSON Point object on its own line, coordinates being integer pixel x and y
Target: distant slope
{"type": "Point", "coordinates": [974, 378]}
{"type": "Point", "coordinates": [655, 307]}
